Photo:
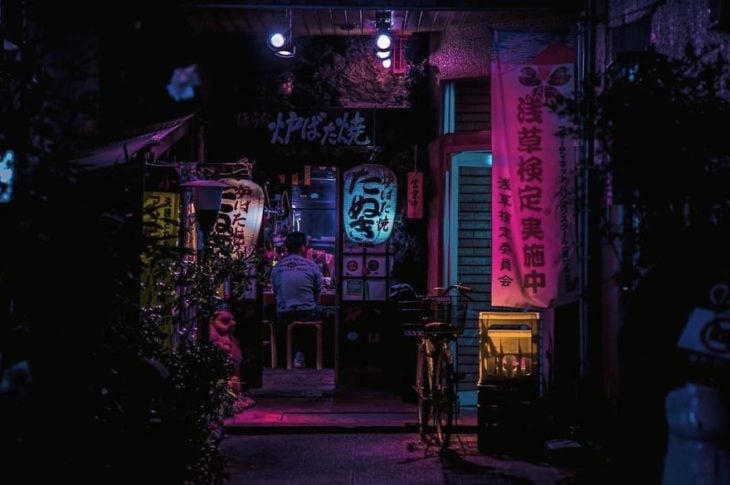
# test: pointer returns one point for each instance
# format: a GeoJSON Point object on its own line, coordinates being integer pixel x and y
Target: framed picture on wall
{"type": "Point", "coordinates": [376, 289]}
{"type": "Point", "coordinates": [353, 289]}
{"type": "Point", "coordinates": [366, 271]}
{"type": "Point", "coordinates": [352, 265]}
{"type": "Point", "coordinates": [375, 266]}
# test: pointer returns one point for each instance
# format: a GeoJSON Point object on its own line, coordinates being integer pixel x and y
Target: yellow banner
{"type": "Point", "coordinates": [160, 225]}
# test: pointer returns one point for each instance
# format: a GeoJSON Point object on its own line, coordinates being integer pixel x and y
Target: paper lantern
{"type": "Point", "coordinates": [240, 214]}
{"type": "Point", "coordinates": [370, 196]}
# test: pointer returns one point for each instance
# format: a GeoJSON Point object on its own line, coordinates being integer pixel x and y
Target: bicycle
{"type": "Point", "coordinates": [435, 375]}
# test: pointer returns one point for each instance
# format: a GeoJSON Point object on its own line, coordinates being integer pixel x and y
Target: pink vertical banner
{"type": "Point", "coordinates": [534, 263]}
{"type": "Point", "coordinates": [414, 195]}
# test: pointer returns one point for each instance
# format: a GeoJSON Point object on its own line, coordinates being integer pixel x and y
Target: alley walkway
{"type": "Point", "coordinates": [370, 458]}
{"type": "Point", "coordinates": [302, 430]}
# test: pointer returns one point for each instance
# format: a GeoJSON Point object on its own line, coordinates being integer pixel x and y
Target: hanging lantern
{"type": "Point", "coordinates": [370, 195]}
{"type": "Point", "coordinates": [240, 214]}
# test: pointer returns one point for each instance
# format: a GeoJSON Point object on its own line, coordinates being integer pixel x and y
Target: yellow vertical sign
{"type": "Point", "coordinates": [160, 224]}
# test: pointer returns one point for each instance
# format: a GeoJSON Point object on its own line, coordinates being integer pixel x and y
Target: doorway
{"type": "Point", "coordinates": [304, 200]}
{"type": "Point", "coordinates": [467, 251]}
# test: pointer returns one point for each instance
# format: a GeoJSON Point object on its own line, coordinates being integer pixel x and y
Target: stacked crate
{"type": "Point", "coordinates": [508, 418]}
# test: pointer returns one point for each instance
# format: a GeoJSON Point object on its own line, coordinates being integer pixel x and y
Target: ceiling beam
{"type": "Point", "coordinates": [570, 5]}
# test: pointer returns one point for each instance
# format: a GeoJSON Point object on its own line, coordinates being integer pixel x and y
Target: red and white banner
{"type": "Point", "coordinates": [414, 192]}
{"type": "Point", "coordinates": [534, 262]}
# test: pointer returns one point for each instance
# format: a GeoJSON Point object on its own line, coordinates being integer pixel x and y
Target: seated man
{"type": "Point", "coordinates": [297, 283]}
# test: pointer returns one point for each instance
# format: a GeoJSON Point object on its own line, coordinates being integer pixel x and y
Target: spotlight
{"type": "Point", "coordinates": [383, 39]}
{"type": "Point", "coordinates": [280, 41]}
{"type": "Point", "coordinates": [276, 41]}
{"type": "Point", "coordinates": [387, 63]}
{"type": "Point", "coordinates": [287, 52]}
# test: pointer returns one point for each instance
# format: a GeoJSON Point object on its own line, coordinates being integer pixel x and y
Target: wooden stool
{"type": "Point", "coordinates": [317, 324]}
{"type": "Point", "coordinates": [272, 345]}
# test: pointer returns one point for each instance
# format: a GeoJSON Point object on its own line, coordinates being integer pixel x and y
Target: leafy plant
{"type": "Point", "coordinates": [663, 153]}
{"type": "Point", "coordinates": [197, 396]}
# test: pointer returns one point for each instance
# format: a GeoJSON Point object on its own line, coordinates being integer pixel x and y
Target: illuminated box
{"type": "Point", "coordinates": [508, 346]}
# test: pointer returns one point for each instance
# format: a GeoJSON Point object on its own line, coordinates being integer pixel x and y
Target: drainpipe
{"type": "Point", "coordinates": [588, 209]}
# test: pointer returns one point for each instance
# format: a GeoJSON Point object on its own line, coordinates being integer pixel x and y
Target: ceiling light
{"type": "Point", "coordinates": [383, 38]}
{"type": "Point", "coordinates": [276, 40]}
{"type": "Point", "coordinates": [280, 40]}
{"type": "Point", "coordinates": [287, 52]}
{"type": "Point", "coordinates": [383, 41]}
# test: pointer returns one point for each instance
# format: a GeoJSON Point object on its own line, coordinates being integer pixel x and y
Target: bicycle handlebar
{"type": "Point", "coordinates": [461, 288]}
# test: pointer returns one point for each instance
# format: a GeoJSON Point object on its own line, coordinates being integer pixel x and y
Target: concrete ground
{"type": "Point", "coordinates": [302, 430]}
{"type": "Point", "coordinates": [370, 458]}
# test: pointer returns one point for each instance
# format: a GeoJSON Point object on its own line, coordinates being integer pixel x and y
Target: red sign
{"type": "Point", "coordinates": [415, 195]}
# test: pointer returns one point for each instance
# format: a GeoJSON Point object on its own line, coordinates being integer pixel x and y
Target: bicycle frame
{"type": "Point", "coordinates": [435, 375]}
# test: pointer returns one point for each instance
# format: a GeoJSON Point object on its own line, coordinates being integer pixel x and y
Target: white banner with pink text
{"type": "Point", "coordinates": [534, 252]}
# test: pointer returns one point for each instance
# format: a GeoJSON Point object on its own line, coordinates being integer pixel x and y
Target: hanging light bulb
{"type": "Point", "coordinates": [276, 40]}
{"type": "Point", "coordinates": [280, 41]}
{"type": "Point", "coordinates": [384, 41]}
{"type": "Point", "coordinates": [383, 38]}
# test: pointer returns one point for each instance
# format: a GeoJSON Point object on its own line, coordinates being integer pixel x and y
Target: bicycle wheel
{"type": "Point", "coordinates": [442, 405]}
{"type": "Point", "coordinates": [423, 389]}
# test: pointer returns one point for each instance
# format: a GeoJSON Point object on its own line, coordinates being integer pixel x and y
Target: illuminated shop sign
{"type": "Point", "coordinates": [241, 212]}
{"type": "Point", "coordinates": [370, 195]}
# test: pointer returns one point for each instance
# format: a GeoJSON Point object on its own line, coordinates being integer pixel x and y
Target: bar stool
{"type": "Point", "coordinates": [317, 324]}
{"type": "Point", "coordinates": [272, 344]}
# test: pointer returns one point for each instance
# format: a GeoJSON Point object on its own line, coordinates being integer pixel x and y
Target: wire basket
{"type": "Point", "coordinates": [450, 309]}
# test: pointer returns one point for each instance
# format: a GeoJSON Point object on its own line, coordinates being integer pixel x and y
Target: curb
{"type": "Point", "coordinates": [333, 429]}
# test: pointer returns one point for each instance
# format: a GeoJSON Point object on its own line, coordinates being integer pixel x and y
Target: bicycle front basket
{"type": "Point", "coordinates": [451, 309]}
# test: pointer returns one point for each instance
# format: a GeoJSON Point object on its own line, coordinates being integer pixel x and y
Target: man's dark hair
{"type": "Point", "coordinates": [294, 241]}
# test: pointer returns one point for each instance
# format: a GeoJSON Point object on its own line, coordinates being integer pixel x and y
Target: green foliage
{"type": "Point", "coordinates": [197, 280]}
{"type": "Point", "coordinates": [194, 410]}
{"type": "Point", "coordinates": [70, 286]}
{"type": "Point", "coordinates": [664, 154]}
{"type": "Point", "coordinates": [197, 397]}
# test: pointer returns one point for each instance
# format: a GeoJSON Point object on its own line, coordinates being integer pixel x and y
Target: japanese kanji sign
{"type": "Point", "coordinates": [533, 240]}
{"type": "Point", "coordinates": [370, 195]}
{"type": "Point", "coordinates": [161, 226]}
{"type": "Point", "coordinates": [344, 128]}
{"type": "Point", "coordinates": [241, 212]}
{"type": "Point", "coordinates": [414, 192]}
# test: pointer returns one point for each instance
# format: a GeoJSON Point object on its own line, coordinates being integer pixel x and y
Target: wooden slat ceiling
{"type": "Point", "coordinates": [348, 21]}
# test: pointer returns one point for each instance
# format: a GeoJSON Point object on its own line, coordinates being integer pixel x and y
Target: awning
{"type": "Point", "coordinates": [157, 139]}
